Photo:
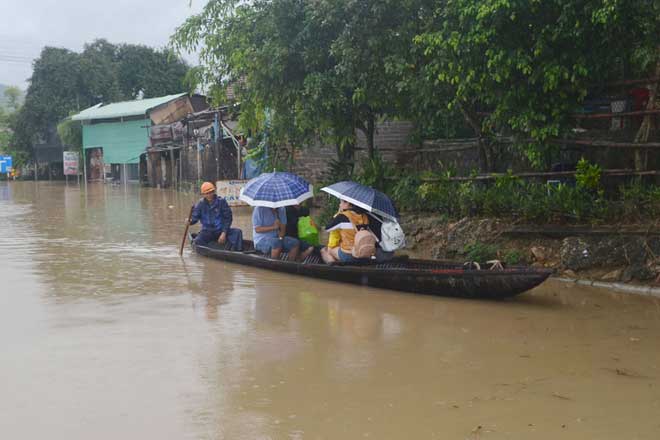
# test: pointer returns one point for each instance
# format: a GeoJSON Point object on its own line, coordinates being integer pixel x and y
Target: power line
{"type": "Point", "coordinates": [15, 61]}
{"type": "Point", "coordinates": [15, 57]}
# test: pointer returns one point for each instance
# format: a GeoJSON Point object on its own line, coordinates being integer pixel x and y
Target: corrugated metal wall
{"type": "Point", "coordinates": [122, 142]}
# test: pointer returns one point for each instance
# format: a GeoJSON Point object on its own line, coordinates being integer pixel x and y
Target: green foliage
{"type": "Point", "coordinates": [4, 139]}
{"type": "Point", "coordinates": [513, 256]}
{"type": "Point", "coordinates": [404, 192]}
{"type": "Point", "coordinates": [638, 202]}
{"type": "Point", "coordinates": [480, 252]}
{"type": "Point", "coordinates": [375, 173]}
{"type": "Point", "coordinates": [13, 97]}
{"type": "Point", "coordinates": [325, 68]}
{"type": "Point", "coordinates": [530, 64]}
{"type": "Point", "coordinates": [70, 133]}
{"type": "Point", "coordinates": [63, 82]}
{"type": "Point", "coordinates": [511, 197]}
{"type": "Point", "coordinates": [587, 175]}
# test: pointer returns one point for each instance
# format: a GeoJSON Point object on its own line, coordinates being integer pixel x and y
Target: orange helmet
{"type": "Point", "coordinates": [207, 188]}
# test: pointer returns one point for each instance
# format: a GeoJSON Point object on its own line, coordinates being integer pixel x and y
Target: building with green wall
{"type": "Point", "coordinates": [116, 135]}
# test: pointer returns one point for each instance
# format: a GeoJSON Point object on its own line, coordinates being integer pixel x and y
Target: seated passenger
{"type": "Point", "coordinates": [215, 215]}
{"type": "Point", "coordinates": [345, 225]}
{"type": "Point", "coordinates": [269, 234]}
{"type": "Point", "coordinates": [293, 214]}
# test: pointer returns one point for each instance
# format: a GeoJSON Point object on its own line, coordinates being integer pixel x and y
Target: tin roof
{"type": "Point", "coordinates": [124, 108]}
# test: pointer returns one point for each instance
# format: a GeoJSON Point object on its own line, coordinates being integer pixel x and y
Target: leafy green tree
{"type": "Point", "coordinates": [63, 82]}
{"type": "Point", "coordinates": [54, 90]}
{"type": "Point", "coordinates": [154, 72]}
{"type": "Point", "coordinates": [98, 72]}
{"type": "Point", "coordinates": [323, 67]}
{"type": "Point", "coordinates": [529, 64]}
{"type": "Point", "coordinates": [13, 97]}
{"type": "Point", "coordinates": [70, 133]}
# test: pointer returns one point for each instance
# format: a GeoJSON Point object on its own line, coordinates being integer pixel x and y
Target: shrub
{"type": "Point", "coordinates": [512, 256]}
{"type": "Point", "coordinates": [587, 175]}
{"type": "Point", "coordinates": [480, 252]}
{"type": "Point", "coordinates": [510, 196]}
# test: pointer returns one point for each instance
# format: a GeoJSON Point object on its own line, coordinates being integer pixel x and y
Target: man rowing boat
{"type": "Point", "coordinates": [216, 217]}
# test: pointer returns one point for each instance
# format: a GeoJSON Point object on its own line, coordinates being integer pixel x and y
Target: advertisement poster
{"type": "Point", "coordinates": [230, 190]}
{"type": "Point", "coordinates": [70, 160]}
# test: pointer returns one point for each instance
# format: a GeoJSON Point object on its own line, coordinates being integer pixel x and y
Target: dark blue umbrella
{"type": "Point", "coordinates": [364, 197]}
{"type": "Point", "coordinates": [275, 190]}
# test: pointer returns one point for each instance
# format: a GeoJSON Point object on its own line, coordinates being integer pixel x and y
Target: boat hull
{"type": "Point", "coordinates": [402, 274]}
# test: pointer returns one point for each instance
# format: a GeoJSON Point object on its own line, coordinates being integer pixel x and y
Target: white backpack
{"type": "Point", "coordinates": [391, 236]}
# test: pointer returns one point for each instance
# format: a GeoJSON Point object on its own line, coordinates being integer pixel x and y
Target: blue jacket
{"type": "Point", "coordinates": [215, 216]}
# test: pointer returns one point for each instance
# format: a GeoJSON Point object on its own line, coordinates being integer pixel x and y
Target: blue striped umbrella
{"type": "Point", "coordinates": [276, 189]}
{"type": "Point", "coordinates": [364, 197]}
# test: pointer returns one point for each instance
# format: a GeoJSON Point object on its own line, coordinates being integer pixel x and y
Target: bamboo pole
{"type": "Point", "coordinates": [185, 232]}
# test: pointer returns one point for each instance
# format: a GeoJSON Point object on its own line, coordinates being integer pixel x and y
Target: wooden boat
{"type": "Point", "coordinates": [401, 273]}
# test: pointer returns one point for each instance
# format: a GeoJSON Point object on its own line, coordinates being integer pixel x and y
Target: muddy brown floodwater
{"type": "Point", "coordinates": [105, 333]}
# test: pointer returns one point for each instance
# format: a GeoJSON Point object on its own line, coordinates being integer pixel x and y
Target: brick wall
{"type": "Point", "coordinates": [389, 137]}
{"type": "Point", "coordinates": [312, 162]}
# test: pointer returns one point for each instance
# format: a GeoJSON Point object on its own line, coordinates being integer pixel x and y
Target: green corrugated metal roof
{"type": "Point", "coordinates": [123, 109]}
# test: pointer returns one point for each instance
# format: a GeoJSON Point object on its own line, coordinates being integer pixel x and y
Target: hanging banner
{"type": "Point", "coordinates": [70, 159]}
{"type": "Point", "coordinates": [230, 190]}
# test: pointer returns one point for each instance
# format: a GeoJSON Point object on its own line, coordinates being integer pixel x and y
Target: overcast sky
{"type": "Point", "coordinates": [26, 26]}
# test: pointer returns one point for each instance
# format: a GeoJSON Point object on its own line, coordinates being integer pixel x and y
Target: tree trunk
{"type": "Point", "coordinates": [483, 147]}
{"type": "Point", "coordinates": [371, 128]}
{"type": "Point", "coordinates": [485, 156]}
{"type": "Point", "coordinates": [345, 157]}
{"type": "Point", "coordinates": [369, 131]}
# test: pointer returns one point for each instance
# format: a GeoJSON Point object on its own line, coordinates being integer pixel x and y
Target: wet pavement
{"type": "Point", "coordinates": [106, 333]}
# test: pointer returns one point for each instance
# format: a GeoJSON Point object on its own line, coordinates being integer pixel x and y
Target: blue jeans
{"type": "Point", "coordinates": [234, 238]}
{"type": "Point", "coordinates": [266, 245]}
{"type": "Point", "coordinates": [346, 258]}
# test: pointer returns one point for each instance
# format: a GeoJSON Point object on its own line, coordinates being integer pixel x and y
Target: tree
{"type": "Point", "coordinates": [99, 72]}
{"type": "Point", "coordinates": [54, 90]}
{"type": "Point", "coordinates": [13, 96]}
{"type": "Point", "coordinates": [64, 81]}
{"type": "Point", "coordinates": [529, 64]}
{"type": "Point", "coordinates": [154, 72]}
{"type": "Point", "coordinates": [70, 133]}
{"type": "Point", "coordinates": [326, 67]}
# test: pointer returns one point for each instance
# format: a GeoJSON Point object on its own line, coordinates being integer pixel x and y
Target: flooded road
{"type": "Point", "coordinates": [105, 333]}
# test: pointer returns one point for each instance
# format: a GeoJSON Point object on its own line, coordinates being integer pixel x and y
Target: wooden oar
{"type": "Point", "coordinates": [185, 233]}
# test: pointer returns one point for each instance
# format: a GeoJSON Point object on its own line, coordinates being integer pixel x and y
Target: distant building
{"type": "Point", "coordinates": [116, 135]}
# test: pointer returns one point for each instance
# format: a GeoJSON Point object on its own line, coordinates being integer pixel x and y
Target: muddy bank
{"type": "Point", "coordinates": [624, 255]}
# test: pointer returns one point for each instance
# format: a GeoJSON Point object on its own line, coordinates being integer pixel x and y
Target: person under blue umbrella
{"type": "Point", "coordinates": [362, 199]}
{"type": "Point", "coordinates": [270, 193]}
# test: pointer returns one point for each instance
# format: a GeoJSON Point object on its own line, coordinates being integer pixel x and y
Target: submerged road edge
{"type": "Point", "coordinates": [619, 287]}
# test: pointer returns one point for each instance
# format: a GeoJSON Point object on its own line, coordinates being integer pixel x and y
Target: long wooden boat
{"type": "Point", "coordinates": [401, 273]}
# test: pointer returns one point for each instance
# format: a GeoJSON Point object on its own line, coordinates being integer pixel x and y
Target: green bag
{"type": "Point", "coordinates": [307, 232]}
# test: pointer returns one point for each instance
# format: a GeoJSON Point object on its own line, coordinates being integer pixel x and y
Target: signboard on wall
{"type": "Point", "coordinates": [5, 164]}
{"type": "Point", "coordinates": [230, 190]}
{"type": "Point", "coordinates": [70, 160]}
